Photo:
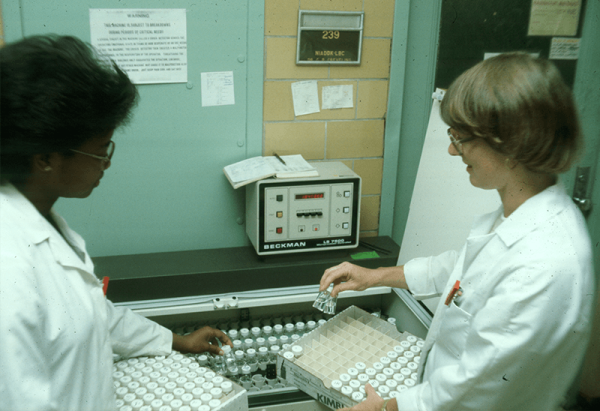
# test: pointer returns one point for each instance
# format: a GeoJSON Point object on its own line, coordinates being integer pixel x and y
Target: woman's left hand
{"type": "Point", "coordinates": [373, 402]}
{"type": "Point", "coordinates": [202, 340]}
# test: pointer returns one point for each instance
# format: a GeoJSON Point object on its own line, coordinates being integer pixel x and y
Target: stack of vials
{"type": "Point", "coordinates": [350, 354]}
{"type": "Point", "coordinates": [173, 383]}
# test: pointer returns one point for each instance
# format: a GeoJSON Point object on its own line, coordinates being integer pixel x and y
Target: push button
{"type": "Point", "coordinates": [346, 193]}
{"type": "Point", "coordinates": [279, 197]}
{"type": "Point", "coordinates": [279, 230]}
{"type": "Point", "coordinates": [346, 210]}
{"type": "Point", "coordinates": [345, 225]}
{"type": "Point", "coordinates": [279, 214]}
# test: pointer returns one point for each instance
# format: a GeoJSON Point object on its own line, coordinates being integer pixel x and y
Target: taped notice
{"type": "Point", "coordinates": [150, 45]}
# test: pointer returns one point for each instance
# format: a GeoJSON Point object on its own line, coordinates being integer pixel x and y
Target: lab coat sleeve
{"type": "Point", "coordinates": [25, 378]}
{"type": "Point", "coordinates": [426, 277]}
{"type": "Point", "coordinates": [133, 335]}
{"type": "Point", "coordinates": [531, 316]}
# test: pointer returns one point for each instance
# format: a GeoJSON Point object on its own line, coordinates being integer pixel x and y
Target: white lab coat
{"type": "Point", "coordinates": [517, 336]}
{"type": "Point", "coordinates": [57, 330]}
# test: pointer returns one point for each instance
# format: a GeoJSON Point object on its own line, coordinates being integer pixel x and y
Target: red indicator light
{"type": "Point", "coordinates": [309, 196]}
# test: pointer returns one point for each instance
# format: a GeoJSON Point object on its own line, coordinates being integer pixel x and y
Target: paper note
{"type": "Point", "coordinates": [337, 97]}
{"type": "Point", "coordinates": [554, 17]}
{"type": "Point", "coordinates": [150, 45]}
{"type": "Point", "coordinates": [306, 97]}
{"type": "Point", "coordinates": [217, 88]}
{"type": "Point", "coordinates": [563, 48]}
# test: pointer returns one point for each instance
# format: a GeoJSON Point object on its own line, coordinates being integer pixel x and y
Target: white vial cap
{"type": "Point", "coordinates": [217, 381]}
{"type": "Point", "coordinates": [160, 391]}
{"type": "Point", "coordinates": [206, 398]}
{"type": "Point", "coordinates": [381, 378]}
{"type": "Point", "coordinates": [288, 355]}
{"type": "Point", "coordinates": [360, 366]}
{"type": "Point", "coordinates": [374, 383]}
{"type": "Point", "coordinates": [321, 322]}
{"type": "Point", "coordinates": [226, 349]}
{"type": "Point", "coordinates": [148, 398]}
{"type": "Point", "coordinates": [156, 404]}
{"type": "Point", "coordinates": [184, 408]}
{"type": "Point", "coordinates": [246, 369]}
{"type": "Point", "coordinates": [207, 386]}
{"type": "Point", "coordinates": [416, 349]}
{"type": "Point", "coordinates": [195, 403]}
{"type": "Point", "coordinates": [405, 344]}
{"type": "Point", "coordinates": [385, 360]}
{"type": "Point", "coordinates": [297, 350]}
{"type": "Point", "coordinates": [255, 331]}
{"type": "Point", "coordinates": [284, 339]}
{"type": "Point", "coordinates": [358, 396]}
{"type": "Point", "coordinates": [126, 408]}
{"type": "Point", "coordinates": [345, 378]}
{"type": "Point", "coordinates": [337, 385]}
{"type": "Point", "coordinates": [167, 398]}
{"type": "Point", "coordinates": [395, 366]}
{"type": "Point", "coordinates": [263, 350]}
{"type": "Point", "coordinates": [199, 380]}
{"type": "Point", "coordinates": [267, 329]}
{"type": "Point", "coordinates": [402, 360]}
{"type": "Point", "coordinates": [363, 378]}
{"type": "Point", "coordinates": [409, 382]}
{"type": "Point", "coordinates": [420, 343]}
{"type": "Point", "coordinates": [399, 349]}
{"type": "Point", "coordinates": [412, 339]}
{"type": "Point", "coordinates": [392, 355]}
{"type": "Point", "coordinates": [129, 397]}
{"type": "Point", "coordinates": [417, 359]}
{"type": "Point", "coordinates": [204, 407]}
{"type": "Point", "coordinates": [251, 352]}
{"type": "Point", "coordinates": [352, 372]}
{"type": "Point", "coordinates": [275, 349]}
{"type": "Point", "coordinates": [414, 376]}
{"type": "Point", "coordinates": [409, 354]}
{"type": "Point", "coordinates": [383, 390]}
{"type": "Point", "coordinates": [412, 366]}
{"type": "Point", "coordinates": [399, 377]}
{"type": "Point", "coordinates": [214, 404]}
{"type": "Point", "coordinates": [233, 334]}
{"type": "Point", "coordinates": [347, 390]}
{"type": "Point", "coordinates": [371, 372]}
{"type": "Point", "coordinates": [227, 386]}
{"type": "Point", "coordinates": [208, 376]}
{"type": "Point", "coordinates": [176, 404]}
{"type": "Point", "coordinates": [354, 384]}
{"type": "Point", "coordinates": [394, 394]}
{"type": "Point", "coordinates": [391, 383]}
{"type": "Point", "coordinates": [405, 371]}
{"type": "Point", "coordinates": [378, 366]}
{"type": "Point", "coordinates": [216, 393]}
{"type": "Point", "coordinates": [311, 325]}
{"type": "Point", "coordinates": [388, 372]}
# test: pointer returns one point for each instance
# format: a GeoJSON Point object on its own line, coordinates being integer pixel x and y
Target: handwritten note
{"type": "Point", "coordinates": [217, 88]}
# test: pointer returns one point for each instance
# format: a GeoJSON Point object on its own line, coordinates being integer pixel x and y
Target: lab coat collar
{"type": "Point", "coordinates": [38, 229]}
{"type": "Point", "coordinates": [530, 215]}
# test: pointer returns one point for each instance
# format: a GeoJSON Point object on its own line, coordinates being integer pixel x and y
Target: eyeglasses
{"type": "Point", "coordinates": [105, 159]}
{"type": "Point", "coordinates": [457, 143]}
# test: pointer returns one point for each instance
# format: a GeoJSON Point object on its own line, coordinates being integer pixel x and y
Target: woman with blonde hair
{"type": "Point", "coordinates": [514, 335]}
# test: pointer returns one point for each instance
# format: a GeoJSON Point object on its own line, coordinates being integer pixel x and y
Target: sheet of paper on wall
{"type": "Point", "coordinates": [258, 168]}
{"type": "Point", "coordinates": [217, 88]}
{"type": "Point", "coordinates": [554, 18]}
{"type": "Point", "coordinates": [150, 45]}
{"type": "Point", "coordinates": [564, 48]}
{"type": "Point", "coordinates": [305, 95]}
{"type": "Point", "coordinates": [337, 97]}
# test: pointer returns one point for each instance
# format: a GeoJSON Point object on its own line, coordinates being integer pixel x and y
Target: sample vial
{"type": "Point", "coordinates": [347, 390]}
{"type": "Point", "coordinates": [297, 351]}
{"type": "Point", "coordinates": [358, 396]}
{"type": "Point", "coordinates": [337, 385]}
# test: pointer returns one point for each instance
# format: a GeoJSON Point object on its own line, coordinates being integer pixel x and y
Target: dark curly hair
{"type": "Point", "coordinates": [56, 93]}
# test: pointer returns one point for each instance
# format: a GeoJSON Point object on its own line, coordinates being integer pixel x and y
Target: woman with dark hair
{"type": "Point", "coordinates": [514, 334]}
{"type": "Point", "coordinates": [60, 103]}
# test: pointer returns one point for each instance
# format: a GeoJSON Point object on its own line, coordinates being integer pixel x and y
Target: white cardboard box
{"type": "Point", "coordinates": [352, 336]}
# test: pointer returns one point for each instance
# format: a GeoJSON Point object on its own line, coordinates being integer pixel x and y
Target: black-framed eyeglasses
{"type": "Point", "coordinates": [105, 159]}
{"type": "Point", "coordinates": [457, 143]}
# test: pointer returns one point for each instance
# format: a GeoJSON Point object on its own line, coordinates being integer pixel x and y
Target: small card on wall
{"type": "Point", "coordinates": [337, 97]}
{"type": "Point", "coordinates": [217, 88]}
{"type": "Point", "coordinates": [306, 97]}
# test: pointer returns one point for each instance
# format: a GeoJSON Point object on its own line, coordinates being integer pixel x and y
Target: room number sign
{"type": "Point", "coordinates": [329, 37]}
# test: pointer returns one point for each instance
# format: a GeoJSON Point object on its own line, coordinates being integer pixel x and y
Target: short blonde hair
{"type": "Point", "coordinates": [521, 106]}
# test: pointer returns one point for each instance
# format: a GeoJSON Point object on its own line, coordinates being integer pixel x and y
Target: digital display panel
{"type": "Point", "coordinates": [309, 196]}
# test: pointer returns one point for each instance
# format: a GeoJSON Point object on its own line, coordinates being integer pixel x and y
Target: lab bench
{"type": "Point", "coordinates": [222, 287]}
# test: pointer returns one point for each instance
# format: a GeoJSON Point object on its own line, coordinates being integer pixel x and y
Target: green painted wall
{"type": "Point", "coordinates": [165, 190]}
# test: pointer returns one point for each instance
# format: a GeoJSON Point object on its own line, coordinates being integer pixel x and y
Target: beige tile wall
{"type": "Point", "coordinates": [355, 135]}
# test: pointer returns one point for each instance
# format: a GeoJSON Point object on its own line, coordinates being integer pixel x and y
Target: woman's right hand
{"type": "Point", "coordinates": [347, 276]}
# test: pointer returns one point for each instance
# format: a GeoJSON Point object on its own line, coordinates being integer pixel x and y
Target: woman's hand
{"type": "Point", "coordinates": [373, 402]}
{"type": "Point", "coordinates": [347, 276]}
{"type": "Point", "coordinates": [202, 340]}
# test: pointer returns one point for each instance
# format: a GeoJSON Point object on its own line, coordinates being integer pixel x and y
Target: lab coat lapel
{"type": "Point", "coordinates": [70, 250]}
